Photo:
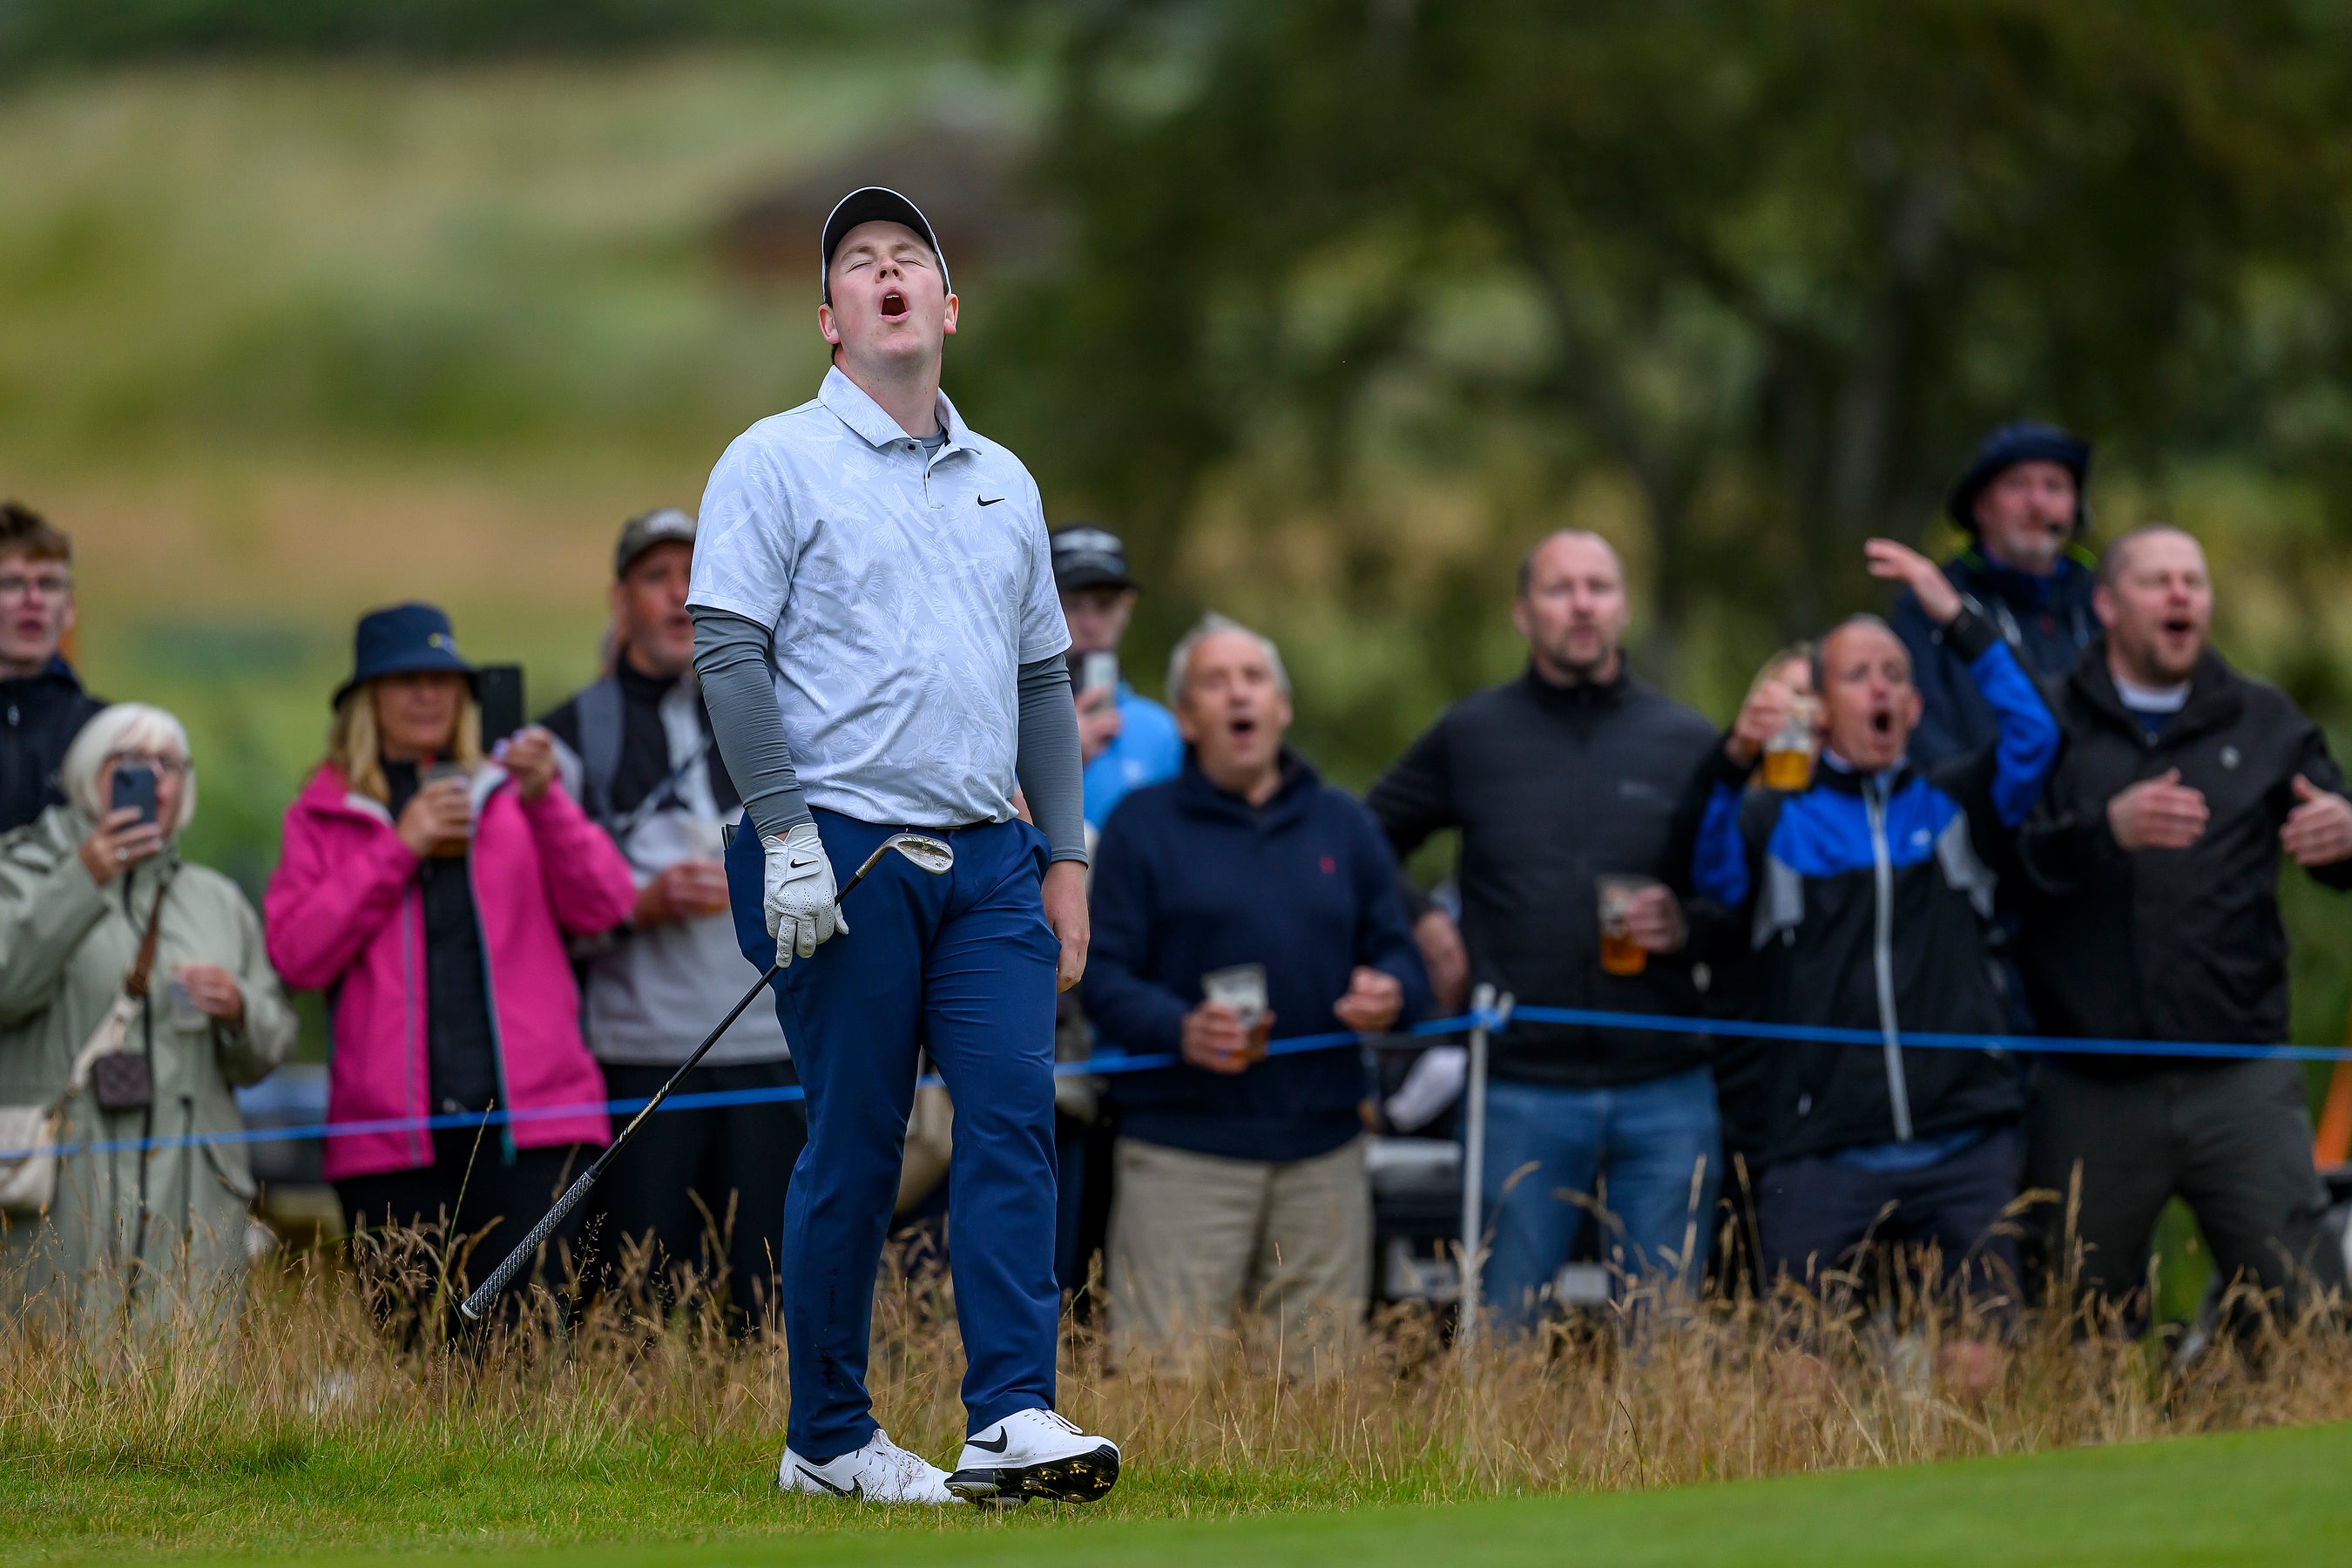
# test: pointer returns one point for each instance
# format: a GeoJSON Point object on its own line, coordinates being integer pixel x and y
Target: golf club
{"type": "Point", "coordinates": [921, 851]}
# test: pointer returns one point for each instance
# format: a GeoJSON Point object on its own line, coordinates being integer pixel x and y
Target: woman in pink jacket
{"type": "Point", "coordinates": [429, 891]}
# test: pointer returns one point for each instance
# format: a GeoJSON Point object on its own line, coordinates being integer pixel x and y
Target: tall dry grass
{"type": "Point", "coordinates": [1663, 1392]}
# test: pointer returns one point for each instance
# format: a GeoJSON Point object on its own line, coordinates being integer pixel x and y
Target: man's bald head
{"type": "Point", "coordinates": [2118, 555]}
{"type": "Point", "coordinates": [1571, 607]}
{"type": "Point", "coordinates": [2155, 601]}
{"type": "Point", "coordinates": [1570, 539]}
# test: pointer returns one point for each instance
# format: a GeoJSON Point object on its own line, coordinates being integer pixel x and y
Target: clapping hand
{"type": "Point", "coordinates": [2160, 813]}
{"type": "Point", "coordinates": [2318, 831]}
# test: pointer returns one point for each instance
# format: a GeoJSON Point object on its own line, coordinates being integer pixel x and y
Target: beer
{"type": "Point", "coordinates": [1788, 754]}
{"type": "Point", "coordinates": [1788, 770]}
{"type": "Point", "coordinates": [1619, 953]}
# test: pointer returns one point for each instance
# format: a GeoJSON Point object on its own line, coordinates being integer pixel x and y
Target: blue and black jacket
{"type": "Point", "coordinates": [2047, 622]}
{"type": "Point", "coordinates": [1866, 899]}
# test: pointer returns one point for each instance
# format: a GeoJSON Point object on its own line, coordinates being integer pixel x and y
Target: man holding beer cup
{"type": "Point", "coordinates": [1564, 785]}
{"type": "Point", "coordinates": [1866, 897]}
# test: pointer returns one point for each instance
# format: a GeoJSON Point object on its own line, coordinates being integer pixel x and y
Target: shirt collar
{"type": "Point", "coordinates": [855, 408]}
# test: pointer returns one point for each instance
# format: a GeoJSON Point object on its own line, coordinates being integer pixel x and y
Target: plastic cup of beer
{"type": "Point", "coordinates": [447, 848]}
{"type": "Point", "coordinates": [1619, 953]}
{"type": "Point", "coordinates": [1788, 754]}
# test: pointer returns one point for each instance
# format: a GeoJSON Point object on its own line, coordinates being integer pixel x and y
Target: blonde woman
{"type": "Point", "coordinates": [134, 993]}
{"type": "Point", "coordinates": [428, 890]}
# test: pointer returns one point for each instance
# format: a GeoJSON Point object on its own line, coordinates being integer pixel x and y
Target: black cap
{"type": "Point", "coordinates": [872, 203]}
{"type": "Point", "coordinates": [1088, 555]}
{"type": "Point", "coordinates": [663, 525]}
{"type": "Point", "coordinates": [2026, 441]}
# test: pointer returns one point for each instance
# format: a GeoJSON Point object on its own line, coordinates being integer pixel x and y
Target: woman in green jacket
{"type": "Point", "coordinates": [161, 1230]}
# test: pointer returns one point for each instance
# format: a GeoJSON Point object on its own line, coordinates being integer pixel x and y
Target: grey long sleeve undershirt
{"type": "Point", "coordinates": [730, 658]}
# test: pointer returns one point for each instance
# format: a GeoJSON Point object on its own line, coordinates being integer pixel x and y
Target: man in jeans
{"type": "Point", "coordinates": [704, 1187]}
{"type": "Point", "coordinates": [1571, 773]}
{"type": "Point", "coordinates": [42, 704]}
{"type": "Point", "coordinates": [2154, 865]}
{"type": "Point", "coordinates": [1241, 1175]}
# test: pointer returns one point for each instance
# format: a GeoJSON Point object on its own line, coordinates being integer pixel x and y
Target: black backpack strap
{"type": "Point", "coordinates": [599, 706]}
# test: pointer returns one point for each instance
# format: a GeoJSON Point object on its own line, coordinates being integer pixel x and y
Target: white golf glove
{"type": "Point", "coordinates": [803, 908]}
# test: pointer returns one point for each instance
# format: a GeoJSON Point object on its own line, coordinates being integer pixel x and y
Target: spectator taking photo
{"type": "Point", "coordinates": [135, 997]}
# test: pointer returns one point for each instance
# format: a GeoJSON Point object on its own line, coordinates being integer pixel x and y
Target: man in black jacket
{"type": "Point", "coordinates": [1567, 775]}
{"type": "Point", "coordinates": [1866, 897]}
{"type": "Point", "coordinates": [2154, 860]}
{"type": "Point", "coordinates": [42, 704]}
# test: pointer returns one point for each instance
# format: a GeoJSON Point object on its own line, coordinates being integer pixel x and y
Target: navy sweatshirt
{"type": "Point", "coordinates": [1189, 878]}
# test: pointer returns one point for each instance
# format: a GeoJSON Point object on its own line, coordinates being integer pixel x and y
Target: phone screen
{"type": "Point", "coordinates": [498, 689]}
{"type": "Point", "coordinates": [1097, 672]}
{"type": "Point", "coordinates": [134, 784]}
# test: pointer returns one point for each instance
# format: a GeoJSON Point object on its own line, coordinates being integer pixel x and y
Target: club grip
{"type": "Point", "coordinates": [514, 1262]}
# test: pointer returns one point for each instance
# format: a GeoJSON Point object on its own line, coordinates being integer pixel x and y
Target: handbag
{"type": "Point", "coordinates": [119, 1080]}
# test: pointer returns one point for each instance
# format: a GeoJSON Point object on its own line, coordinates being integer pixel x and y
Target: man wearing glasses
{"type": "Point", "coordinates": [42, 704]}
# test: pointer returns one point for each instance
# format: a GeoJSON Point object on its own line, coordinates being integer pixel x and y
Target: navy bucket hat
{"type": "Point", "coordinates": [402, 640]}
{"type": "Point", "coordinates": [2026, 441]}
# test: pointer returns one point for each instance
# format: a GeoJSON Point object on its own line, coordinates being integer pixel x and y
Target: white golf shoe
{"type": "Point", "coordinates": [1033, 1453]}
{"type": "Point", "coordinates": [879, 1472]}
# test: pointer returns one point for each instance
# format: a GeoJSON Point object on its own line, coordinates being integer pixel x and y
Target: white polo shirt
{"type": "Point", "coordinates": [904, 591]}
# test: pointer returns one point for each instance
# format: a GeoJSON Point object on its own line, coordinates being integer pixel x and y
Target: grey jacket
{"type": "Point", "coordinates": [66, 944]}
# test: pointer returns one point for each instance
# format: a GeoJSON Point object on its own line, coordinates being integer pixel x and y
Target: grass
{"type": "Point", "coordinates": [308, 1430]}
{"type": "Point", "coordinates": [2270, 1496]}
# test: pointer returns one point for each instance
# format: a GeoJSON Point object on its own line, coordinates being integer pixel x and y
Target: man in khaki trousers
{"type": "Point", "coordinates": [1242, 902]}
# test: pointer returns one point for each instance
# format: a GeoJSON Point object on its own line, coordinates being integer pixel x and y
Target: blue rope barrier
{"type": "Point", "coordinates": [1116, 1062]}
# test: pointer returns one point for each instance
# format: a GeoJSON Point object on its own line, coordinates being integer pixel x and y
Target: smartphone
{"type": "Point", "coordinates": [498, 689]}
{"type": "Point", "coordinates": [134, 784]}
{"type": "Point", "coordinates": [1098, 672]}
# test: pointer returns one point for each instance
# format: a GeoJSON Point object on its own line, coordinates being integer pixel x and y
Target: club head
{"type": "Point", "coordinates": [923, 852]}
{"type": "Point", "coordinates": [920, 850]}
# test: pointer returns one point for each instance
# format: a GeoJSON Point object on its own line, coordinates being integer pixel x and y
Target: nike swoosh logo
{"type": "Point", "coordinates": [990, 501]}
{"type": "Point", "coordinates": [799, 865]}
{"type": "Point", "coordinates": [1004, 1441]}
{"type": "Point", "coordinates": [855, 1490]}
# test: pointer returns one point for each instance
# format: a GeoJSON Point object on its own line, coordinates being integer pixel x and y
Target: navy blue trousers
{"type": "Point", "coordinates": [961, 965]}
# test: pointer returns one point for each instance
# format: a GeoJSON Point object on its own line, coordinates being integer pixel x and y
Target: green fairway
{"type": "Point", "coordinates": [2270, 1496]}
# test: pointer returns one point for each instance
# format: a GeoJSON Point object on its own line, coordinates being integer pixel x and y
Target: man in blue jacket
{"type": "Point", "coordinates": [2025, 573]}
{"type": "Point", "coordinates": [1241, 1175]}
{"type": "Point", "coordinates": [1866, 898]}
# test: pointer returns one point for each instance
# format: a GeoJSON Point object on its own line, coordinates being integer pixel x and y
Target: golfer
{"type": "Point", "coordinates": [881, 645]}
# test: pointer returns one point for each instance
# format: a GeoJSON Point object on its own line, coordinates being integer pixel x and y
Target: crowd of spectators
{"type": "Point", "coordinates": [2034, 800]}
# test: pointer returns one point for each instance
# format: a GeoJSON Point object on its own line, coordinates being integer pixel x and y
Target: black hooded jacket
{"type": "Point", "coordinates": [2167, 945]}
{"type": "Point", "coordinates": [39, 716]}
{"type": "Point", "coordinates": [1553, 786]}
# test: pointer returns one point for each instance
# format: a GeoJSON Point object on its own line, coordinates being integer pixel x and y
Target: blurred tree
{"type": "Point", "coordinates": [1761, 272]}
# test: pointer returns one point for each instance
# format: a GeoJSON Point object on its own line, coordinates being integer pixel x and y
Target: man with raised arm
{"type": "Point", "coordinates": [881, 646]}
{"type": "Point", "coordinates": [1866, 898]}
